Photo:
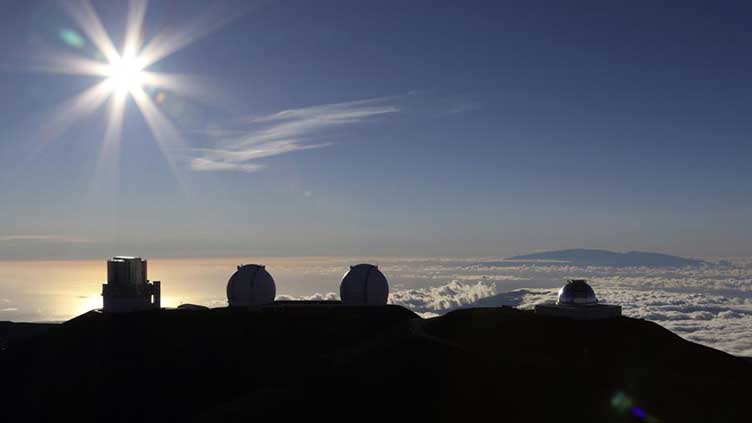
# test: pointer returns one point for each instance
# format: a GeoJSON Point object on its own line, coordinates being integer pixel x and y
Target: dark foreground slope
{"type": "Point", "coordinates": [371, 363]}
{"type": "Point", "coordinates": [13, 333]}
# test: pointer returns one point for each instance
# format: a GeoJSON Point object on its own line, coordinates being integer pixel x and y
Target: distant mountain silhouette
{"type": "Point", "coordinates": [589, 257]}
{"type": "Point", "coordinates": [338, 363]}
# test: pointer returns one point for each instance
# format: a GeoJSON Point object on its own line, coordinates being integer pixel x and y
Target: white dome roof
{"type": "Point", "coordinates": [577, 292]}
{"type": "Point", "coordinates": [250, 285]}
{"type": "Point", "coordinates": [364, 284]}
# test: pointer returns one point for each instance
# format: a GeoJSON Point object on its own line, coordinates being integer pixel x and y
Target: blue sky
{"type": "Point", "coordinates": [391, 128]}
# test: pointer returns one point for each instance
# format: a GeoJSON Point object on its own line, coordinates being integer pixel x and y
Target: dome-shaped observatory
{"type": "Point", "coordinates": [577, 292]}
{"type": "Point", "coordinates": [364, 284]}
{"type": "Point", "coordinates": [250, 285]}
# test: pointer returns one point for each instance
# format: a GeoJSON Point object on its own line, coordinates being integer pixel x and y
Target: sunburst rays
{"type": "Point", "coordinates": [123, 74]}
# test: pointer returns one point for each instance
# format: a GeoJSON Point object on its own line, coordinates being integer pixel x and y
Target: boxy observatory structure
{"type": "Point", "coordinates": [577, 301]}
{"type": "Point", "coordinates": [251, 285]}
{"type": "Point", "coordinates": [127, 287]}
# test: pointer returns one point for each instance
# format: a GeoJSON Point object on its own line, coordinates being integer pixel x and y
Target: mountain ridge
{"type": "Point", "coordinates": [597, 257]}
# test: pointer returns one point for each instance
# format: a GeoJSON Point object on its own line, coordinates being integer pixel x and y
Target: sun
{"type": "Point", "coordinates": [125, 75]}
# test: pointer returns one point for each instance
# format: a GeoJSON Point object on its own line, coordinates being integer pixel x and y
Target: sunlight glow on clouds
{"type": "Point", "coordinates": [435, 299]}
{"type": "Point", "coordinates": [711, 305]}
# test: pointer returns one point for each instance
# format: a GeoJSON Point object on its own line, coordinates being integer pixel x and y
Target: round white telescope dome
{"type": "Point", "coordinates": [364, 284]}
{"type": "Point", "coordinates": [577, 292]}
{"type": "Point", "coordinates": [250, 285]}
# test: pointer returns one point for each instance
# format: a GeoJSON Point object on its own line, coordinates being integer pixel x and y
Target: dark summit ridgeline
{"type": "Point", "coordinates": [588, 257]}
{"type": "Point", "coordinates": [348, 363]}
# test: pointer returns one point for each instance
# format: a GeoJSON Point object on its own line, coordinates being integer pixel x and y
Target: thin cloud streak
{"type": "Point", "coordinates": [202, 164]}
{"type": "Point", "coordinates": [43, 238]}
{"type": "Point", "coordinates": [283, 132]}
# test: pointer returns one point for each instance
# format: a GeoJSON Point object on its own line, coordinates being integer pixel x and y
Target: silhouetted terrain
{"type": "Point", "coordinates": [12, 332]}
{"type": "Point", "coordinates": [586, 257]}
{"type": "Point", "coordinates": [342, 363]}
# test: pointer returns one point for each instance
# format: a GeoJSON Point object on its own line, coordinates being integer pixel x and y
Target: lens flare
{"type": "Point", "coordinates": [72, 38]}
{"type": "Point", "coordinates": [624, 405]}
{"type": "Point", "coordinates": [123, 75]}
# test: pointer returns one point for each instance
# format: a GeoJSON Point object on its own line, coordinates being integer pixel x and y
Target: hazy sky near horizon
{"type": "Point", "coordinates": [421, 128]}
{"type": "Point", "coordinates": [711, 305]}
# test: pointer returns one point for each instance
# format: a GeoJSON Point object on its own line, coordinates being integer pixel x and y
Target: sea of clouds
{"type": "Point", "coordinates": [711, 305]}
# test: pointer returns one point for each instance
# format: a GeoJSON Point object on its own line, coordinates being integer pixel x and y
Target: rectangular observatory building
{"type": "Point", "coordinates": [127, 287]}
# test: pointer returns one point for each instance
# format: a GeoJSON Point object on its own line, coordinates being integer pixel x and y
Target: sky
{"type": "Point", "coordinates": [390, 128]}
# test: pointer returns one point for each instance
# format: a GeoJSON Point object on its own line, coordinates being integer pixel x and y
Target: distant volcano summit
{"type": "Point", "coordinates": [590, 257]}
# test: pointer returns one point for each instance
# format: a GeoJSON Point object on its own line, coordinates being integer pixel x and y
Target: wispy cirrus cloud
{"type": "Point", "coordinates": [43, 238]}
{"type": "Point", "coordinates": [281, 133]}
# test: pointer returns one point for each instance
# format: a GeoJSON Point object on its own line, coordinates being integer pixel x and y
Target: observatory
{"type": "Point", "coordinates": [127, 288]}
{"type": "Point", "coordinates": [577, 301]}
{"type": "Point", "coordinates": [364, 284]}
{"type": "Point", "coordinates": [250, 285]}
